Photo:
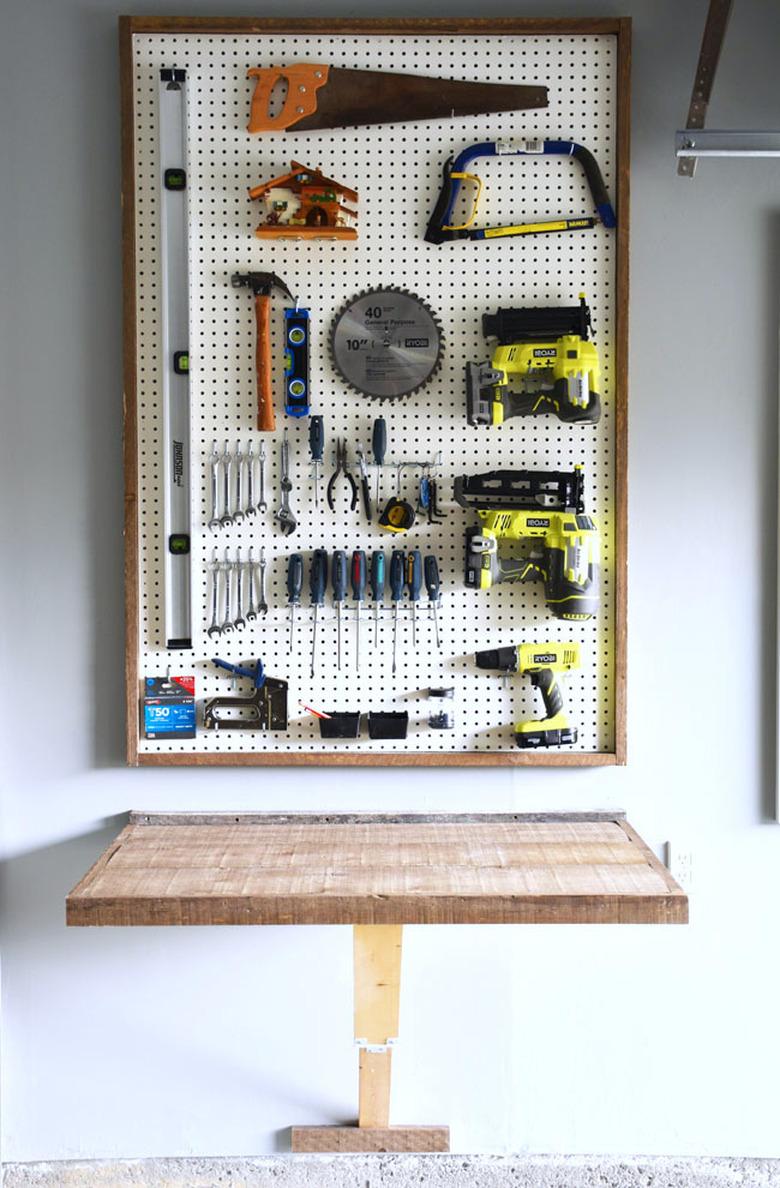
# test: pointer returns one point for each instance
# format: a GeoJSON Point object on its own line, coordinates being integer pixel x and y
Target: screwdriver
{"type": "Point", "coordinates": [317, 449]}
{"type": "Point", "coordinates": [397, 572]}
{"type": "Point", "coordinates": [433, 586]}
{"type": "Point", "coordinates": [377, 589]}
{"type": "Point", "coordinates": [358, 593]}
{"type": "Point", "coordinates": [339, 578]}
{"type": "Point", "coordinates": [379, 449]}
{"type": "Point", "coordinates": [294, 587]}
{"type": "Point", "coordinates": [414, 582]}
{"type": "Point", "coordinates": [318, 580]}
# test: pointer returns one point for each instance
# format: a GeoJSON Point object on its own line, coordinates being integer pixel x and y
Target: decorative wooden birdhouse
{"type": "Point", "coordinates": [304, 204]}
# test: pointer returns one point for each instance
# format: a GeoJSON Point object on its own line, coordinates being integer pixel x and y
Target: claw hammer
{"type": "Point", "coordinates": [262, 285]}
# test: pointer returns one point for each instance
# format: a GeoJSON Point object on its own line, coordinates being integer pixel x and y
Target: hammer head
{"type": "Point", "coordinates": [261, 283]}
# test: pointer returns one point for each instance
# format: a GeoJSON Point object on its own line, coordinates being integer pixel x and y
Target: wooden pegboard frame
{"type": "Point", "coordinates": [614, 752]}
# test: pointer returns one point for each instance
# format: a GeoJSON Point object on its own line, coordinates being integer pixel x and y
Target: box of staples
{"type": "Point", "coordinates": [168, 707]}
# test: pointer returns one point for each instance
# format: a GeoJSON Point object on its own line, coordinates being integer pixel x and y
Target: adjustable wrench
{"type": "Point", "coordinates": [285, 517]}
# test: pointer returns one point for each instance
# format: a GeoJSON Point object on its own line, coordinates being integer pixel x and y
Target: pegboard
{"type": "Point", "coordinates": [396, 170]}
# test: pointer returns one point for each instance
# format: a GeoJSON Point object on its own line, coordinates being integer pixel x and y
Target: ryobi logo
{"type": "Point", "coordinates": [537, 522]}
{"type": "Point", "coordinates": [416, 342]}
{"type": "Point", "coordinates": [545, 353]}
{"type": "Point", "coordinates": [544, 658]}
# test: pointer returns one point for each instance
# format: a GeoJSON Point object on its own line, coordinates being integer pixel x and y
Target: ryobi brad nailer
{"type": "Point", "coordinates": [537, 517]}
{"type": "Point", "coordinates": [546, 353]}
{"type": "Point", "coordinates": [541, 662]}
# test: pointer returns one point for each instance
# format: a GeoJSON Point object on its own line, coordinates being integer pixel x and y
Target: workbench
{"type": "Point", "coordinates": [376, 872]}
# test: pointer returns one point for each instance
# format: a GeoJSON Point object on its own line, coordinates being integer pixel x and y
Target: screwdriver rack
{"type": "Point", "coordinates": [585, 66]}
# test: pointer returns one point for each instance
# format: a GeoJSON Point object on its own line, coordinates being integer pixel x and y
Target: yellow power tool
{"type": "Point", "coordinates": [547, 355]}
{"type": "Point", "coordinates": [541, 662]}
{"type": "Point", "coordinates": [537, 517]}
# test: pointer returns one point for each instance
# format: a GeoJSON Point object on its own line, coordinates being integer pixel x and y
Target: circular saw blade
{"type": "Point", "coordinates": [386, 343]}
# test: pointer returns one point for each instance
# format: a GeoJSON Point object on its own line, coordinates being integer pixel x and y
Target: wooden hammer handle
{"type": "Point", "coordinates": [266, 420]}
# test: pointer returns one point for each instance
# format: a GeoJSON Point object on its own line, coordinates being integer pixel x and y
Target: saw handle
{"type": "Point", "coordinates": [303, 81]}
{"type": "Point", "coordinates": [266, 419]}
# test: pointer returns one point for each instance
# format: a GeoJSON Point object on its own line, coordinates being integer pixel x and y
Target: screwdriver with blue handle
{"type": "Point", "coordinates": [294, 587]}
{"type": "Point", "coordinates": [397, 580]}
{"type": "Point", "coordinates": [377, 589]}
{"type": "Point", "coordinates": [318, 580]}
{"type": "Point", "coordinates": [433, 586]}
{"type": "Point", "coordinates": [414, 582]}
{"type": "Point", "coordinates": [339, 579]}
{"type": "Point", "coordinates": [317, 450]}
{"type": "Point", "coordinates": [358, 594]}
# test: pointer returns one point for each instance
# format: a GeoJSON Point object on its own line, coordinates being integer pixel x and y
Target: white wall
{"type": "Point", "coordinates": [122, 1042]}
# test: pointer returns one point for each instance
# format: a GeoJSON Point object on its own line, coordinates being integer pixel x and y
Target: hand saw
{"type": "Point", "coordinates": [320, 96]}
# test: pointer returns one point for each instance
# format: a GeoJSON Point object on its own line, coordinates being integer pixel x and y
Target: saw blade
{"type": "Point", "coordinates": [386, 343]}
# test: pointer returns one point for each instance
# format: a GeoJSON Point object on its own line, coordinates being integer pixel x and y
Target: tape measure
{"type": "Point", "coordinates": [398, 516]}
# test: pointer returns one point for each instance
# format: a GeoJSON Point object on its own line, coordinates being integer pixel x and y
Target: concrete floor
{"type": "Point", "coordinates": [398, 1171]}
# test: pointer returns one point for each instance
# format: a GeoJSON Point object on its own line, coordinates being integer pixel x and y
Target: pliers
{"type": "Point", "coordinates": [341, 468]}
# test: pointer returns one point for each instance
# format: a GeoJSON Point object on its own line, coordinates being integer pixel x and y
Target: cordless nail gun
{"type": "Point", "coordinates": [545, 508]}
{"type": "Point", "coordinates": [541, 662]}
{"type": "Point", "coordinates": [547, 353]}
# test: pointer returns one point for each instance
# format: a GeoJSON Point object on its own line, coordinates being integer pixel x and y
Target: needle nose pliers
{"type": "Point", "coordinates": [341, 468]}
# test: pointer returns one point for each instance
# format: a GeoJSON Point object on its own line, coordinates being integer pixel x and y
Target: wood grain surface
{"type": "Point", "coordinates": [562, 869]}
{"type": "Point", "coordinates": [398, 1139]}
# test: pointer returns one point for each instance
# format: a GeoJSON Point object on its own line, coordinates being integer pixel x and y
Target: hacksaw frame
{"type": "Point", "coordinates": [593, 106]}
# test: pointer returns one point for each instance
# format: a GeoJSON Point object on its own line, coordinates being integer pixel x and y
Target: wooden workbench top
{"type": "Point", "coordinates": [251, 868]}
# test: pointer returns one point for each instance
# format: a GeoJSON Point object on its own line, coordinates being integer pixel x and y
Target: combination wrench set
{"type": "Point", "coordinates": [238, 591]}
{"type": "Point", "coordinates": [237, 485]}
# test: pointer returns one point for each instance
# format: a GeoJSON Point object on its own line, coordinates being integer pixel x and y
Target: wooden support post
{"type": "Point", "coordinates": [377, 973]}
{"type": "Point", "coordinates": [377, 959]}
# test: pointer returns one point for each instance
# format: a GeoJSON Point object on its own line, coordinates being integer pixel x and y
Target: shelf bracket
{"type": "Point", "coordinates": [709, 55]}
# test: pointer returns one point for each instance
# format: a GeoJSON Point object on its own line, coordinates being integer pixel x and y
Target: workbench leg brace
{"type": "Point", "coordinates": [377, 961]}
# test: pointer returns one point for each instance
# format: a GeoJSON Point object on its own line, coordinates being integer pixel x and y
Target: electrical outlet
{"type": "Point", "coordinates": [680, 863]}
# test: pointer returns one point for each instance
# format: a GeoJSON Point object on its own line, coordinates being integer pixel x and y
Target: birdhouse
{"type": "Point", "coordinates": [304, 204]}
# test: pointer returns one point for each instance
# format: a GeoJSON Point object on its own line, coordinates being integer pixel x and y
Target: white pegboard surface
{"type": "Point", "coordinates": [396, 170]}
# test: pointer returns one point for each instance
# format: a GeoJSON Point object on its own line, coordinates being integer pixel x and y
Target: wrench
{"type": "Point", "coordinates": [239, 620]}
{"type": "Point", "coordinates": [250, 509]}
{"type": "Point", "coordinates": [227, 624]}
{"type": "Point", "coordinates": [214, 629]}
{"type": "Point", "coordinates": [262, 605]}
{"type": "Point", "coordinates": [261, 503]}
{"type": "Point", "coordinates": [251, 613]}
{"type": "Point", "coordinates": [287, 521]}
{"type": "Point", "coordinates": [238, 460]}
{"type": "Point", "coordinates": [226, 517]}
{"type": "Point", "coordinates": [214, 463]}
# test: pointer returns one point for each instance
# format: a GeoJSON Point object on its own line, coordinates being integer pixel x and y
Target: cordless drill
{"type": "Point", "coordinates": [538, 517]}
{"type": "Point", "coordinates": [541, 662]}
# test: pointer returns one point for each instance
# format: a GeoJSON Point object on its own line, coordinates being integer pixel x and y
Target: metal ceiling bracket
{"type": "Point", "coordinates": [710, 143]}
{"type": "Point", "coordinates": [709, 54]}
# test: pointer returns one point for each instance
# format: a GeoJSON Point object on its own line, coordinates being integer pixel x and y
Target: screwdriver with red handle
{"type": "Point", "coordinates": [358, 593]}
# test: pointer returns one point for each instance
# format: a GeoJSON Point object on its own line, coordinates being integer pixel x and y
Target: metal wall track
{"type": "Point", "coordinates": [396, 171]}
